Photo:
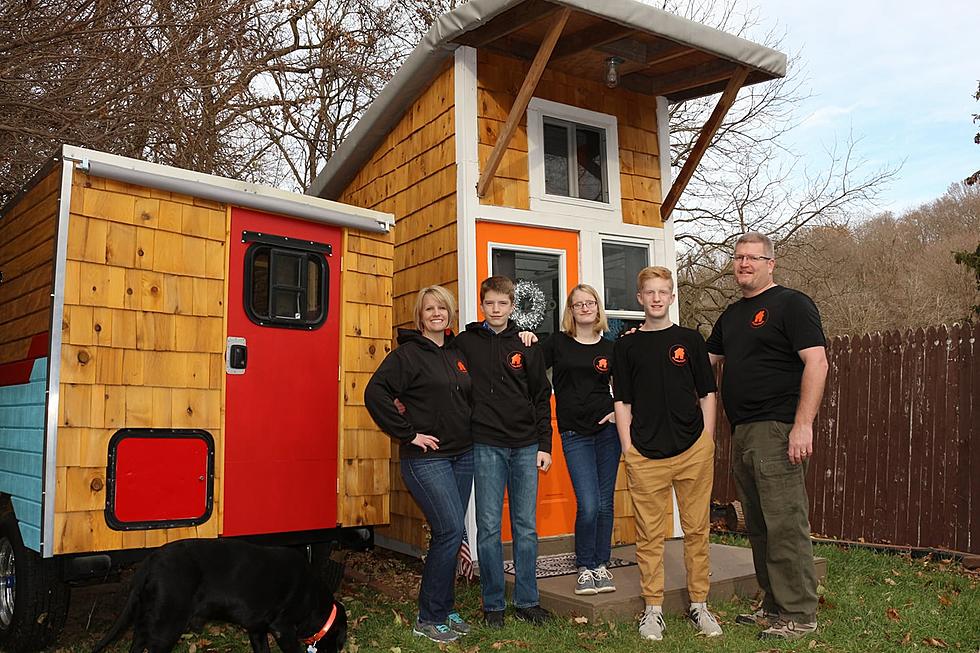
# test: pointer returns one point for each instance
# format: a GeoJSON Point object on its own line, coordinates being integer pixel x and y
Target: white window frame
{"type": "Point", "coordinates": [541, 201]}
{"type": "Point", "coordinates": [652, 259]}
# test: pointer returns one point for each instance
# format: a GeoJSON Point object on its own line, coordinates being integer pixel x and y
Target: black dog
{"type": "Point", "coordinates": [265, 590]}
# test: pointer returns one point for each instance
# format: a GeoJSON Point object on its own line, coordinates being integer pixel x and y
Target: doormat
{"type": "Point", "coordinates": [562, 564]}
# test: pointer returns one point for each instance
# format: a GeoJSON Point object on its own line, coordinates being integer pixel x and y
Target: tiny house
{"type": "Point", "coordinates": [172, 348]}
{"type": "Point", "coordinates": [530, 138]}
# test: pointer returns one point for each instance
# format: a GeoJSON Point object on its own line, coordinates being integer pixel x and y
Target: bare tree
{"type": "Point", "coordinates": [975, 177]}
{"type": "Point", "coordinates": [259, 90]}
{"type": "Point", "coordinates": [749, 179]}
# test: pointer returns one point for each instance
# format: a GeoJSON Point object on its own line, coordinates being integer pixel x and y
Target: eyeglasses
{"type": "Point", "coordinates": [738, 258]}
{"type": "Point", "coordinates": [578, 306]}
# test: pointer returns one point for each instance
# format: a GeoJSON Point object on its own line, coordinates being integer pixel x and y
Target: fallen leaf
{"type": "Point", "coordinates": [192, 648]}
{"type": "Point", "coordinates": [907, 639]}
{"type": "Point", "coordinates": [934, 642]}
{"type": "Point", "coordinates": [812, 644]}
{"type": "Point", "coordinates": [472, 649]}
{"type": "Point", "coordinates": [944, 601]}
{"type": "Point", "coordinates": [396, 649]}
{"type": "Point", "coordinates": [399, 619]}
{"type": "Point", "coordinates": [581, 620]}
{"type": "Point", "coordinates": [889, 581]}
{"type": "Point", "coordinates": [511, 642]}
{"type": "Point", "coordinates": [892, 614]}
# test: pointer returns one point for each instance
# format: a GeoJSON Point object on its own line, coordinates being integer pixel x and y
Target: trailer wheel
{"type": "Point", "coordinates": [33, 598]}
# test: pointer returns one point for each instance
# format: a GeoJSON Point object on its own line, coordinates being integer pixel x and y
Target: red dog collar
{"type": "Point", "coordinates": [311, 641]}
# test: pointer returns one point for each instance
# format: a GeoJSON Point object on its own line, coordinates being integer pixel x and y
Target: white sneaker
{"type": "Point", "coordinates": [703, 620]}
{"type": "Point", "coordinates": [652, 624]}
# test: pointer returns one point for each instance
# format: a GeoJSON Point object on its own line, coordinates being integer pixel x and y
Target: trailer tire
{"type": "Point", "coordinates": [33, 598]}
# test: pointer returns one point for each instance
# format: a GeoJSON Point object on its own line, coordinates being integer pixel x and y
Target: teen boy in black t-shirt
{"type": "Point", "coordinates": [665, 413]}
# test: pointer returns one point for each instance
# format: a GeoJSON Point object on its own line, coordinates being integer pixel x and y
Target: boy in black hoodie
{"type": "Point", "coordinates": [511, 426]}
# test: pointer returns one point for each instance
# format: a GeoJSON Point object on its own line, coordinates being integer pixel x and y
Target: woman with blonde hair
{"type": "Point", "coordinates": [581, 359]}
{"type": "Point", "coordinates": [429, 378]}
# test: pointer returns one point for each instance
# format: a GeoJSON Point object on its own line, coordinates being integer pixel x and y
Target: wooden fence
{"type": "Point", "coordinates": [896, 449]}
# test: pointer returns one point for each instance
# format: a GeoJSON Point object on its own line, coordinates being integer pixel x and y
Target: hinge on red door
{"type": "Point", "coordinates": [338, 485]}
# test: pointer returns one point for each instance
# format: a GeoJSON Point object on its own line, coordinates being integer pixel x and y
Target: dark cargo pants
{"type": "Point", "coordinates": [775, 505]}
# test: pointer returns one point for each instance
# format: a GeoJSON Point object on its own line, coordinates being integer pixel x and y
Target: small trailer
{"type": "Point", "coordinates": [172, 351]}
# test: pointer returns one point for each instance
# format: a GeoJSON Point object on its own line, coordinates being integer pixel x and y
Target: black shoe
{"type": "Point", "coordinates": [494, 618]}
{"type": "Point", "coordinates": [534, 614]}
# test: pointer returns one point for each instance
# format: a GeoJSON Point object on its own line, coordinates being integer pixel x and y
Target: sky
{"type": "Point", "coordinates": [898, 76]}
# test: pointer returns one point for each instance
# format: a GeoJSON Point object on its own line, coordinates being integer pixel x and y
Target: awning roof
{"type": "Point", "coordinates": [663, 55]}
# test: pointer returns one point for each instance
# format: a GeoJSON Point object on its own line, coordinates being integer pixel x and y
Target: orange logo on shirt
{"type": "Point", "coordinates": [601, 364]}
{"type": "Point", "coordinates": [515, 359]}
{"type": "Point", "coordinates": [460, 366]}
{"type": "Point", "coordinates": [678, 355]}
{"type": "Point", "coordinates": [760, 318]}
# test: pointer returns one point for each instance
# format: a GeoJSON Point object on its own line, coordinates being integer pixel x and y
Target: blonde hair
{"type": "Point", "coordinates": [568, 321]}
{"type": "Point", "coordinates": [442, 296]}
{"type": "Point", "coordinates": [758, 237]}
{"type": "Point", "coordinates": [653, 272]}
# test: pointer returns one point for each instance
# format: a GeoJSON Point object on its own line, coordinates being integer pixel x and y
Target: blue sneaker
{"type": "Point", "coordinates": [440, 633]}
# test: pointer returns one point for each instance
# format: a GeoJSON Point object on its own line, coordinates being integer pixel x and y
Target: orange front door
{"type": "Point", "coordinates": [547, 261]}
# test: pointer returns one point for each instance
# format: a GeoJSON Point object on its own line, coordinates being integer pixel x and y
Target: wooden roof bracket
{"type": "Point", "coordinates": [522, 100]}
{"type": "Point", "coordinates": [704, 139]}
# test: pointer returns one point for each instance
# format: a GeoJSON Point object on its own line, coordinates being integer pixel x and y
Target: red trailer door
{"type": "Point", "coordinates": [280, 453]}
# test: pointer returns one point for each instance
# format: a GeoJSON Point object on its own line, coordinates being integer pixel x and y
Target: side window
{"type": "Point", "coordinates": [621, 262]}
{"type": "Point", "coordinates": [285, 286]}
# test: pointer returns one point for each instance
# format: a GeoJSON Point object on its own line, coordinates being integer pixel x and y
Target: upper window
{"type": "Point", "coordinates": [573, 157]}
{"type": "Point", "coordinates": [575, 160]}
{"type": "Point", "coordinates": [285, 286]}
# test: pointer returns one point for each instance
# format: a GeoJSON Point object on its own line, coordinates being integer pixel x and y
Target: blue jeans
{"type": "Point", "coordinates": [441, 487]}
{"type": "Point", "coordinates": [593, 462]}
{"type": "Point", "coordinates": [515, 469]}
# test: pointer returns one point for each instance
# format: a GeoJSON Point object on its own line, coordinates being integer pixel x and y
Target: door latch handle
{"type": "Point", "coordinates": [236, 355]}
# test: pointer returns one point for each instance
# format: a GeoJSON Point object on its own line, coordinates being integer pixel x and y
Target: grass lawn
{"type": "Point", "coordinates": [871, 602]}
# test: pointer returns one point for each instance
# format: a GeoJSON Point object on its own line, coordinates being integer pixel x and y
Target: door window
{"type": "Point", "coordinates": [538, 290]}
{"type": "Point", "coordinates": [285, 286]}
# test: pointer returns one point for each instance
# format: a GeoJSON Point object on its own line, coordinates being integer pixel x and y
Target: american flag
{"type": "Point", "coordinates": [464, 563]}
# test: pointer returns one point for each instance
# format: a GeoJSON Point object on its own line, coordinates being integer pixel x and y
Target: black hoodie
{"type": "Point", "coordinates": [434, 385]}
{"type": "Point", "coordinates": [511, 393]}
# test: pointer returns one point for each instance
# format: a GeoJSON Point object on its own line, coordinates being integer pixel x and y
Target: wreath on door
{"type": "Point", "coordinates": [530, 305]}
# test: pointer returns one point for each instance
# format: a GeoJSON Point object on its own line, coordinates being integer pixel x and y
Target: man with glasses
{"type": "Point", "coordinates": [772, 345]}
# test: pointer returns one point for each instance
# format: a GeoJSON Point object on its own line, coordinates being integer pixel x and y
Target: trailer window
{"type": "Point", "coordinates": [285, 287]}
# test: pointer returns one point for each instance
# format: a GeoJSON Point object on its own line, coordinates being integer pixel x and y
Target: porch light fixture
{"type": "Point", "coordinates": [612, 75]}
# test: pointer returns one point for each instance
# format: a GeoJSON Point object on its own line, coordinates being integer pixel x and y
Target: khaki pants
{"type": "Point", "coordinates": [773, 495]}
{"type": "Point", "coordinates": [690, 474]}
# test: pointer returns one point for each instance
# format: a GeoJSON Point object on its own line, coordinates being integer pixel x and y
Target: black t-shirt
{"type": "Point", "coordinates": [759, 338]}
{"type": "Point", "coordinates": [663, 374]}
{"type": "Point", "coordinates": [580, 377]}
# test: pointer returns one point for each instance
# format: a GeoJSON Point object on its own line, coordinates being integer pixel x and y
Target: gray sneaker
{"type": "Point", "coordinates": [603, 580]}
{"type": "Point", "coordinates": [456, 624]}
{"type": "Point", "coordinates": [788, 630]}
{"type": "Point", "coordinates": [652, 624]}
{"type": "Point", "coordinates": [586, 582]}
{"type": "Point", "coordinates": [440, 633]}
{"type": "Point", "coordinates": [704, 621]}
{"type": "Point", "coordinates": [758, 618]}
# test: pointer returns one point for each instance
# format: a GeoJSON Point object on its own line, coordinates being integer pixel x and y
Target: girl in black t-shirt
{"type": "Point", "coordinates": [580, 359]}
